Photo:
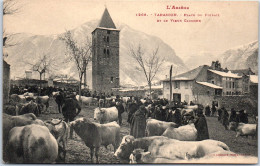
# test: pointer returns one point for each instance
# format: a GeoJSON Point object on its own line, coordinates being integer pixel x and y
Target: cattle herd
{"type": "Point", "coordinates": [170, 133]}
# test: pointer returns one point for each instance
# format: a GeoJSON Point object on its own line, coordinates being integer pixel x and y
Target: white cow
{"type": "Point", "coordinates": [28, 94]}
{"type": "Point", "coordinates": [85, 100]}
{"type": "Point", "coordinates": [243, 129]}
{"type": "Point", "coordinates": [125, 99]}
{"type": "Point", "coordinates": [106, 114]}
{"type": "Point", "coordinates": [138, 156]}
{"type": "Point", "coordinates": [32, 144]}
{"type": "Point", "coordinates": [157, 127]}
{"type": "Point", "coordinates": [182, 133]}
{"type": "Point", "coordinates": [168, 148]}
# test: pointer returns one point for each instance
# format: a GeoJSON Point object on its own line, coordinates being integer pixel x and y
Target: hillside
{"type": "Point", "coordinates": [241, 57]}
{"type": "Point", "coordinates": [31, 47]}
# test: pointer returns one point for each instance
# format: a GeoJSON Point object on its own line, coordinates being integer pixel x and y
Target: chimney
{"type": "Point", "coordinates": [28, 74]}
{"type": "Point", "coordinates": [213, 65]}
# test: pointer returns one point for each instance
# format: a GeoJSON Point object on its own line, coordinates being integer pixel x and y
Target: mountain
{"type": "Point", "coordinates": [32, 47]}
{"type": "Point", "coordinates": [241, 57]}
{"type": "Point", "coordinates": [202, 58]}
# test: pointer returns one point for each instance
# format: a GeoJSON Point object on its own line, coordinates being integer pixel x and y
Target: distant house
{"type": "Point", "coordinates": [190, 86]}
{"type": "Point", "coordinates": [206, 83]}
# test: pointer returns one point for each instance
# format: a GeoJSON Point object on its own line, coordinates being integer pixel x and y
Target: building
{"type": "Point", "coordinates": [183, 85]}
{"type": "Point", "coordinates": [206, 84]}
{"type": "Point", "coordinates": [105, 55]}
{"type": "Point", "coordinates": [6, 82]}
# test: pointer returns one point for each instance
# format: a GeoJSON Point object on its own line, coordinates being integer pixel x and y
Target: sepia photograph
{"type": "Point", "coordinates": [130, 82]}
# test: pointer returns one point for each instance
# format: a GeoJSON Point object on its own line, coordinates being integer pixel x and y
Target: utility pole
{"type": "Point", "coordinates": [171, 84]}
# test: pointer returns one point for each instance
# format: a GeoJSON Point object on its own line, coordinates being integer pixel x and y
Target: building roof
{"type": "Point", "coordinates": [209, 85]}
{"type": "Point", "coordinates": [190, 75]}
{"type": "Point", "coordinates": [225, 74]}
{"type": "Point", "coordinates": [254, 79]}
{"type": "Point", "coordinates": [240, 72]}
{"type": "Point", "coordinates": [106, 20]}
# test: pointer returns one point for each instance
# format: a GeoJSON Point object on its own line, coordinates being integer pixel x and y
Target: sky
{"type": "Point", "coordinates": [236, 23]}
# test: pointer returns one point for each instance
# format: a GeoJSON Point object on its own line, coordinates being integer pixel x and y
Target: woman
{"type": "Point", "coordinates": [138, 123]}
{"type": "Point", "coordinates": [201, 126]}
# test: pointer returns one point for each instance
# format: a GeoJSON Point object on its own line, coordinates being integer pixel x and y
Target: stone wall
{"type": "Point", "coordinates": [6, 82]}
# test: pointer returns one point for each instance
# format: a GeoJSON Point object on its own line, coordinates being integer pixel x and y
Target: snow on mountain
{"type": "Point", "coordinates": [241, 57]}
{"type": "Point", "coordinates": [32, 47]}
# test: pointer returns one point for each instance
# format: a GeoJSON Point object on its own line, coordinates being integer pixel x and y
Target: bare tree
{"type": "Point", "coordinates": [45, 64]}
{"type": "Point", "coordinates": [149, 64]}
{"type": "Point", "coordinates": [80, 54]}
{"type": "Point", "coordinates": [10, 7]}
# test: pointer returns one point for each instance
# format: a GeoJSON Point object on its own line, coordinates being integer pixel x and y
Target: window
{"type": "Point", "coordinates": [108, 32]}
{"type": "Point", "coordinates": [212, 82]}
{"type": "Point", "coordinates": [104, 38]}
{"type": "Point", "coordinates": [108, 39]}
{"type": "Point", "coordinates": [186, 85]}
{"type": "Point", "coordinates": [233, 84]}
{"type": "Point", "coordinates": [176, 85]}
{"type": "Point", "coordinates": [108, 52]}
{"type": "Point", "coordinates": [112, 79]}
{"type": "Point", "coordinates": [104, 51]}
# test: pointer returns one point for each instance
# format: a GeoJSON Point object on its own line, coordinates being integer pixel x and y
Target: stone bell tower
{"type": "Point", "coordinates": [105, 55]}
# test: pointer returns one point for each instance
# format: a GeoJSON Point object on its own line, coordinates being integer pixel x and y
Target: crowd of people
{"type": "Point", "coordinates": [224, 117]}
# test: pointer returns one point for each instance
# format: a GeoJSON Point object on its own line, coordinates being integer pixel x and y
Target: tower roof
{"type": "Point", "coordinates": [106, 20]}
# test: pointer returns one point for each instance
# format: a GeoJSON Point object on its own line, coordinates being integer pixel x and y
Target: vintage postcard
{"type": "Point", "coordinates": [130, 82]}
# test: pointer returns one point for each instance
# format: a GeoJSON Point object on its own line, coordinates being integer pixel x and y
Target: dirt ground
{"type": "Point", "coordinates": [79, 153]}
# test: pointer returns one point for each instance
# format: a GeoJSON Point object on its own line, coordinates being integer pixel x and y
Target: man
{"type": "Point", "coordinates": [201, 126]}
{"type": "Point", "coordinates": [69, 110]}
{"type": "Point", "coordinates": [233, 116]}
{"type": "Point", "coordinates": [138, 123]}
{"type": "Point", "coordinates": [243, 116]}
{"type": "Point", "coordinates": [213, 109]}
{"type": "Point", "coordinates": [207, 110]}
{"type": "Point", "coordinates": [225, 116]}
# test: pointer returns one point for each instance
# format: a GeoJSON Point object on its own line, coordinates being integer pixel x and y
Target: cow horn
{"type": "Point", "coordinates": [54, 123]}
{"type": "Point", "coordinates": [127, 139]}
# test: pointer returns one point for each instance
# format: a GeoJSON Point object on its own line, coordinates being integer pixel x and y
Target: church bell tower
{"type": "Point", "coordinates": [105, 55]}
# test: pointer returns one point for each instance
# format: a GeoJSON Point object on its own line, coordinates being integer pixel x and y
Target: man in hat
{"type": "Point", "coordinates": [243, 116]}
{"type": "Point", "coordinates": [69, 109]}
{"type": "Point", "coordinates": [201, 126]}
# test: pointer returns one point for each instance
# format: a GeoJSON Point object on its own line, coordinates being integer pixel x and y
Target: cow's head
{"type": "Point", "coordinates": [125, 149]}
{"type": "Point", "coordinates": [77, 124]}
{"type": "Point", "coordinates": [232, 126]}
{"type": "Point", "coordinates": [98, 113]}
{"type": "Point", "coordinates": [136, 156]}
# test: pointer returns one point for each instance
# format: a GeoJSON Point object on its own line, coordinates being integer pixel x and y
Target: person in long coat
{"type": "Point", "coordinates": [207, 110]}
{"type": "Point", "coordinates": [132, 108]}
{"type": "Point", "coordinates": [138, 123]}
{"type": "Point", "coordinates": [213, 110]}
{"type": "Point", "coordinates": [69, 110]}
{"type": "Point", "coordinates": [176, 117]}
{"type": "Point", "coordinates": [225, 117]}
{"type": "Point", "coordinates": [201, 126]}
{"type": "Point", "coordinates": [233, 116]}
